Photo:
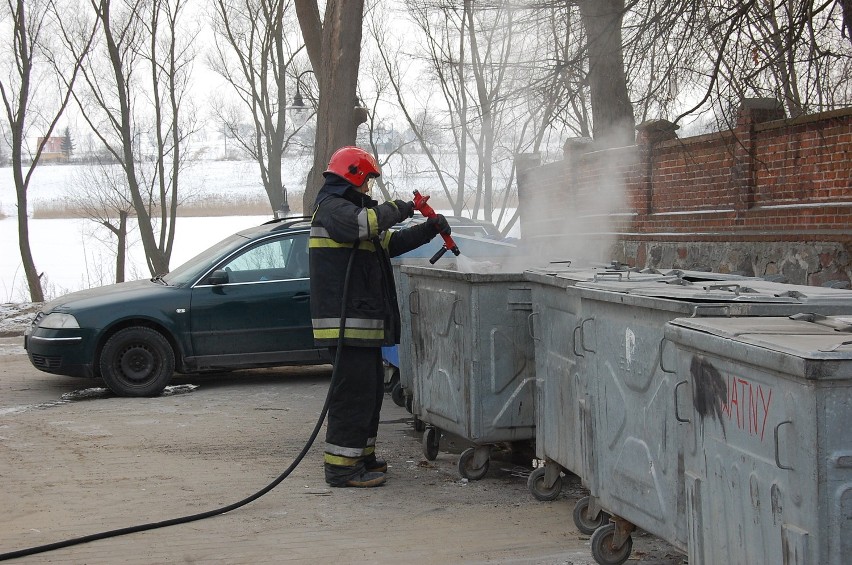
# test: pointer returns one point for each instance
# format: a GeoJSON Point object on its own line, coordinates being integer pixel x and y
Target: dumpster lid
{"type": "Point", "coordinates": [808, 336]}
{"type": "Point", "coordinates": [697, 276]}
{"type": "Point", "coordinates": [467, 276]}
{"type": "Point", "coordinates": [564, 274]}
{"type": "Point", "coordinates": [705, 291]}
{"type": "Point", "coordinates": [803, 293]}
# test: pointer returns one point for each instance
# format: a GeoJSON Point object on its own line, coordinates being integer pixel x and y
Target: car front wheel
{"type": "Point", "coordinates": [137, 361]}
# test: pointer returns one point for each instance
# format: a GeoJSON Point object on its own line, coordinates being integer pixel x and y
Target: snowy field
{"type": "Point", "coordinates": [75, 253]}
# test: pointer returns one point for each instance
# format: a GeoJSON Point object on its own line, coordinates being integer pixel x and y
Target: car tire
{"type": "Point", "coordinates": [137, 361]}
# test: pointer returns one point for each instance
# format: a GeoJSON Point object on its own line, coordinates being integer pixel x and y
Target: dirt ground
{"type": "Point", "coordinates": [77, 463]}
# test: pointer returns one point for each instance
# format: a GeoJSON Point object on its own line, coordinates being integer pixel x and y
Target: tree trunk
{"type": "Point", "coordinates": [336, 59]}
{"type": "Point", "coordinates": [33, 278]}
{"type": "Point", "coordinates": [158, 263]}
{"type": "Point", "coordinates": [612, 112]}
{"type": "Point", "coordinates": [25, 64]}
{"type": "Point", "coordinates": [846, 9]}
{"type": "Point", "coordinates": [121, 247]}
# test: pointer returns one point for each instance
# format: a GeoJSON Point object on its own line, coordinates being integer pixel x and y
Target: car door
{"type": "Point", "coordinates": [261, 315]}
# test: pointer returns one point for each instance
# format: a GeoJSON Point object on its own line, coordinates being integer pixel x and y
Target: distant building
{"type": "Point", "coordinates": [52, 152]}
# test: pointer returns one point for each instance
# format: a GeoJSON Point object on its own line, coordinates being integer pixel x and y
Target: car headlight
{"type": "Point", "coordinates": [57, 321]}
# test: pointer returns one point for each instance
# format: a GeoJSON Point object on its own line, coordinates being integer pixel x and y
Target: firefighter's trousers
{"type": "Point", "coordinates": [354, 409]}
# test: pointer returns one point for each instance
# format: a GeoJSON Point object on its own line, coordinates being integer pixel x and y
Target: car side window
{"type": "Point", "coordinates": [277, 259]}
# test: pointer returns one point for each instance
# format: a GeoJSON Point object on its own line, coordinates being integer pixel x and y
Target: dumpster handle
{"type": "Point", "coordinates": [606, 274]}
{"type": "Point", "coordinates": [777, 458]}
{"type": "Point", "coordinates": [454, 310]}
{"type": "Point", "coordinates": [530, 326]}
{"type": "Point", "coordinates": [411, 302]}
{"type": "Point", "coordinates": [662, 347]}
{"type": "Point", "coordinates": [677, 413]}
{"type": "Point", "coordinates": [577, 353]}
{"type": "Point", "coordinates": [581, 327]}
{"type": "Point", "coordinates": [696, 310]}
{"type": "Point", "coordinates": [836, 346]}
{"type": "Point", "coordinates": [733, 287]}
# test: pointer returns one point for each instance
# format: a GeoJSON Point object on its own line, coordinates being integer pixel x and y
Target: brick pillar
{"type": "Point", "coordinates": [649, 133]}
{"type": "Point", "coordinates": [575, 147]}
{"type": "Point", "coordinates": [524, 164]}
{"type": "Point", "coordinates": [752, 111]}
{"type": "Point", "coordinates": [573, 151]}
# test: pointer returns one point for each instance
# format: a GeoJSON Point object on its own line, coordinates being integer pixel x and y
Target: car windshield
{"type": "Point", "coordinates": [195, 267]}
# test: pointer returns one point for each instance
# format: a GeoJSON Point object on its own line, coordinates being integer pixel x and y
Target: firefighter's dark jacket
{"type": "Point", "coordinates": [345, 218]}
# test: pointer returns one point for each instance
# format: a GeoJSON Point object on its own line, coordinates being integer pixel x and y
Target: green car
{"type": "Point", "coordinates": [245, 302]}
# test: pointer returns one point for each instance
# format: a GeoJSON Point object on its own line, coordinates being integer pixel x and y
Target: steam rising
{"type": "Point", "coordinates": [566, 215]}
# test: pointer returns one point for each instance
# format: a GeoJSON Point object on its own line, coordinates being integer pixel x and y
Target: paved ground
{"type": "Point", "coordinates": [89, 462]}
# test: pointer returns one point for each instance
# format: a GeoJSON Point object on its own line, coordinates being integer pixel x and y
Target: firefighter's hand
{"type": "Point", "coordinates": [439, 224]}
{"type": "Point", "coordinates": [406, 209]}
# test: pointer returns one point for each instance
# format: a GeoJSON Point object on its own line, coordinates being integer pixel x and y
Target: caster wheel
{"type": "Point", "coordinates": [397, 395]}
{"type": "Point", "coordinates": [419, 425]}
{"type": "Point", "coordinates": [467, 465]}
{"type": "Point", "coordinates": [585, 524]}
{"type": "Point", "coordinates": [538, 486]}
{"type": "Point", "coordinates": [393, 381]}
{"type": "Point", "coordinates": [431, 440]}
{"type": "Point", "coordinates": [602, 549]}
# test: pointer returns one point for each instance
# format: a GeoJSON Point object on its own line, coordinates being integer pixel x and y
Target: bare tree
{"type": "Point", "coordinates": [334, 49]}
{"type": "Point", "coordinates": [140, 37]}
{"type": "Point", "coordinates": [254, 51]}
{"type": "Point", "coordinates": [101, 194]}
{"type": "Point", "coordinates": [494, 86]}
{"type": "Point", "coordinates": [846, 14]}
{"type": "Point", "coordinates": [48, 39]}
{"type": "Point", "coordinates": [612, 110]}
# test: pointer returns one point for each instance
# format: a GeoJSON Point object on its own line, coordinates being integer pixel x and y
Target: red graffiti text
{"type": "Point", "coordinates": [747, 404]}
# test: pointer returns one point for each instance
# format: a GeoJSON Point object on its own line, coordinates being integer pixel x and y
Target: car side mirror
{"type": "Point", "coordinates": [219, 276]}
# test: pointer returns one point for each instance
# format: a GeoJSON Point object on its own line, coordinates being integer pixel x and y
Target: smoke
{"type": "Point", "coordinates": [572, 210]}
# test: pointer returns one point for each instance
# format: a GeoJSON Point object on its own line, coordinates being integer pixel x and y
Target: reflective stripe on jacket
{"type": "Point", "coordinates": [347, 222]}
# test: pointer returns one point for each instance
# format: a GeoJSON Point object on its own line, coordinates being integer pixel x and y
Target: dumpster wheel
{"type": "Point", "coordinates": [419, 425]}
{"type": "Point", "coordinates": [585, 523]}
{"type": "Point", "coordinates": [397, 395]}
{"type": "Point", "coordinates": [602, 546]}
{"type": "Point", "coordinates": [473, 463]}
{"type": "Point", "coordinates": [431, 441]}
{"type": "Point", "coordinates": [537, 483]}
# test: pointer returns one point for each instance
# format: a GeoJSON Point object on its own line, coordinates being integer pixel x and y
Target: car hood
{"type": "Point", "coordinates": [104, 294]}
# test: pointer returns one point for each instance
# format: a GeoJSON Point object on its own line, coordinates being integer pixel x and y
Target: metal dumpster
{"type": "Point", "coordinates": [472, 360]}
{"type": "Point", "coordinates": [564, 420]}
{"type": "Point", "coordinates": [635, 437]}
{"type": "Point", "coordinates": [767, 405]}
{"type": "Point", "coordinates": [473, 249]}
{"type": "Point", "coordinates": [401, 384]}
{"type": "Point", "coordinates": [562, 377]}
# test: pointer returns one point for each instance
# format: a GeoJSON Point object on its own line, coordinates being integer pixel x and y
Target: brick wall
{"type": "Point", "coordinates": [775, 193]}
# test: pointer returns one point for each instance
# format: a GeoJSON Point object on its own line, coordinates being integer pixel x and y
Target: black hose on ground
{"type": "Point", "coordinates": [210, 513]}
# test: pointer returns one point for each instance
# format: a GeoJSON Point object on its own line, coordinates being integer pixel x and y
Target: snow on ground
{"type": "Point", "coordinates": [15, 317]}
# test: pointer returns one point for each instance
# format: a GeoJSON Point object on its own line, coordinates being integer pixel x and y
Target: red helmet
{"type": "Point", "coordinates": [354, 164]}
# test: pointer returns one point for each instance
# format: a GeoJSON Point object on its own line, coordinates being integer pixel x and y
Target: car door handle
{"type": "Point", "coordinates": [302, 296]}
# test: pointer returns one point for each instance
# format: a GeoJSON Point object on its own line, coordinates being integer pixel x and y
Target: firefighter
{"type": "Point", "coordinates": [347, 221]}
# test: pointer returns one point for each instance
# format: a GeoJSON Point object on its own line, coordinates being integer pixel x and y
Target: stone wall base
{"type": "Point", "coordinates": [805, 263]}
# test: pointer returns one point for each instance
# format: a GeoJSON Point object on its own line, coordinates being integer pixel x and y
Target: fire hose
{"type": "Point", "coordinates": [421, 204]}
{"type": "Point", "coordinates": [215, 512]}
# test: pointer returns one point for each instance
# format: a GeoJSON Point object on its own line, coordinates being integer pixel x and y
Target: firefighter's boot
{"type": "Point", "coordinates": [375, 465]}
{"type": "Point", "coordinates": [339, 476]}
